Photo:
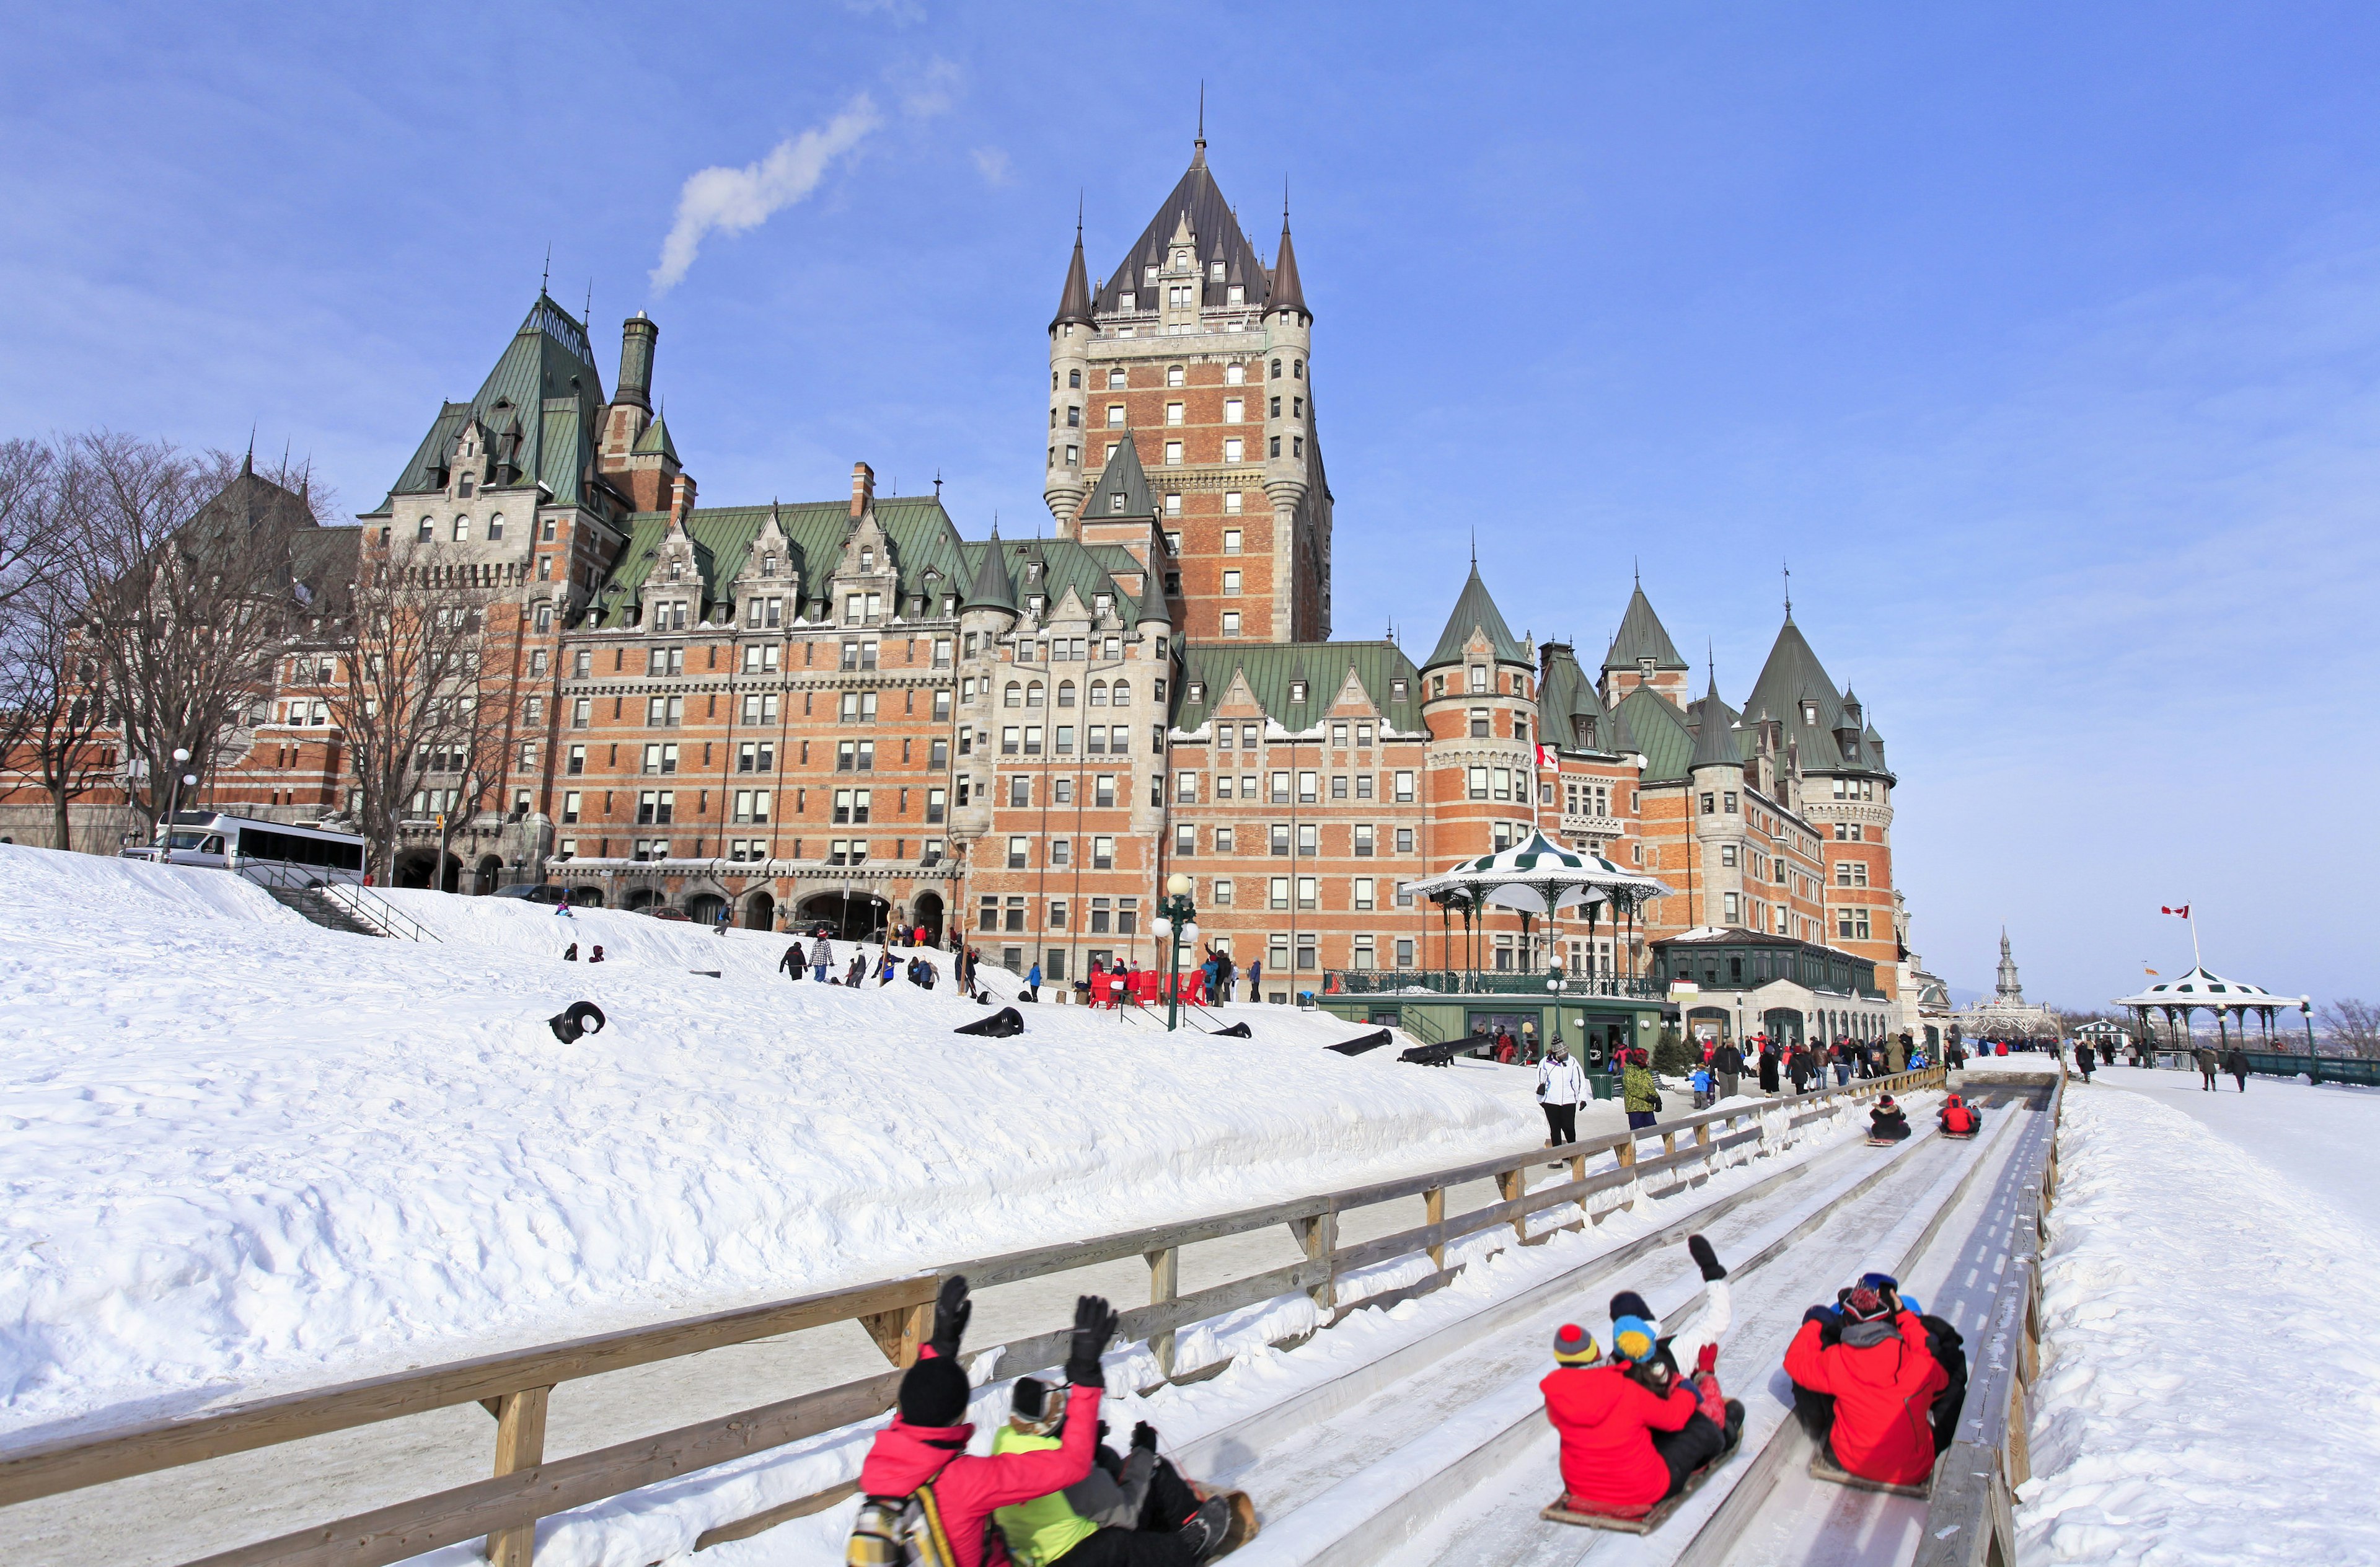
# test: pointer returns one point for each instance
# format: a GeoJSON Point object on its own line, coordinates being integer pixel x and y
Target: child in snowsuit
{"type": "Point", "coordinates": [1873, 1382]}
{"type": "Point", "coordinates": [1957, 1117]}
{"type": "Point", "coordinates": [1634, 1432]}
{"type": "Point", "coordinates": [1639, 1089]}
{"type": "Point", "coordinates": [1131, 1509]}
{"type": "Point", "coordinates": [925, 1443]}
{"type": "Point", "coordinates": [1702, 1082]}
{"type": "Point", "coordinates": [1887, 1123]}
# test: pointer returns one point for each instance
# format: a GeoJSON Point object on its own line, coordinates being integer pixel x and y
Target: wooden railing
{"type": "Point", "coordinates": [897, 1314]}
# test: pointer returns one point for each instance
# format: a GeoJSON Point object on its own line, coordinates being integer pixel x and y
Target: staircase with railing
{"type": "Point", "coordinates": [336, 906]}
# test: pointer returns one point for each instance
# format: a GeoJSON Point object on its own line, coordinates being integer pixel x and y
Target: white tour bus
{"type": "Point", "coordinates": [275, 854]}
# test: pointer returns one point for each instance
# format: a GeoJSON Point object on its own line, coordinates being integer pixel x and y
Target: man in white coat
{"type": "Point", "coordinates": [1561, 1088]}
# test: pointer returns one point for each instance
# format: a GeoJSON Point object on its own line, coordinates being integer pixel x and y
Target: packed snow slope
{"type": "Point", "coordinates": [2210, 1389]}
{"type": "Point", "coordinates": [240, 1153]}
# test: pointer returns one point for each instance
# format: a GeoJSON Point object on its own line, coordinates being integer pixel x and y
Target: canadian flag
{"type": "Point", "coordinates": [1546, 757]}
{"type": "Point", "coordinates": [2181, 913]}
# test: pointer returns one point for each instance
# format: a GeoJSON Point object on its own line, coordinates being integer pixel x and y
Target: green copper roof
{"type": "Point", "coordinates": [1641, 636]}
{"type": "Point", "coordinates": [987, 585]}
{"type": "Point", "coordinates": [1714, 741]}
{"type": "Point", "coordinates": [655, 439]}
{"type": "Point", "coordinates": [1475, 610]}
{"type": "Point", "coordinates": [546, 383]}
{"type": "Point", "coordinates": [1122, 488]}
{"type": "Point", "coordinates": [1270, 668]}
{"type": "Point", "coordinates": [927, 554]}
{"type": "Point", "coordinates": [1568, 712]}
{"type": "Point", "coordinates": [1792, 677]}
{"type": "Point", "coordinates": [1660, 733]}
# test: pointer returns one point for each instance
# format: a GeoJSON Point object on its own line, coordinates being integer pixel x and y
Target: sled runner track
{"type": "Point", "coordinates": [1452, 1464]}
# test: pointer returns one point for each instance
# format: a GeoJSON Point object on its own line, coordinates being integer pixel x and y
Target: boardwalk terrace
{"type": "Point", "coordinates": [855, 711]}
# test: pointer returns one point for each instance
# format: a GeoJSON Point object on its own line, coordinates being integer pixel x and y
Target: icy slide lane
{"type": "Point", "coordinates": [1469, 1459]}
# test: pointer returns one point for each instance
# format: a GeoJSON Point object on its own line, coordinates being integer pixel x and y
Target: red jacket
{"type": "Point", "coordinates": [967, 1488]}
{"type": "Point", "coordinates": [1604, 1416]}
{"type": "Point", "coordinates": [1883, 1394]}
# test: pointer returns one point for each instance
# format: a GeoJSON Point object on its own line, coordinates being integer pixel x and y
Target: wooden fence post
{"type": "Point", "coordinates": [1433, 1211]}
{"type": "Point", "coordinates": [1164, 1282]}
{"type": "Point", "coordinates": [1511, 1186]}
{"type": "Point", "coordinates": [1321, 1239]}
{"type": "Point", "coordinates": [1578, 1173]}
{"type": "Point", "coordinates": [521, 1444]}
{"type": "Point", "coordinates": [901, 1334]}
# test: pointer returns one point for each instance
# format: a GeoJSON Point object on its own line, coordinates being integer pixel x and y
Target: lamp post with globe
{"type": "Point", "coordinates": [1176, 909]}
{"type": "Point", "coordinates": [173, 802]}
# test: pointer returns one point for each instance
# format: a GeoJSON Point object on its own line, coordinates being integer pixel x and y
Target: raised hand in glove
{"type": "Point", "coordinates": [951, 1309]}
{"type": "Point", "coordinates": [1707, 1361]}
{"type": "Point", "coordinates": [1095, 1325]}
{"type": "Point", "coordinates": [1706, 1258]}
{"type": "Point", "coordinates": [1144, 1435]}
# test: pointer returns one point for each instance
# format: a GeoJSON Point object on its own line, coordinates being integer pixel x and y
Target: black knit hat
{"type": "Point", "coordinates": [1032, 1396]}
{"type": "Point", "coordinates": [1628, 1303]}
{"type": "Point", "coordinates": [934, 1393]}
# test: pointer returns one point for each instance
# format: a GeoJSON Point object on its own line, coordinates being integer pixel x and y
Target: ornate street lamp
{"type": "Point", "coordinates": [174, 804]}
{"type": "Point", "coordinates": [1176, 910]}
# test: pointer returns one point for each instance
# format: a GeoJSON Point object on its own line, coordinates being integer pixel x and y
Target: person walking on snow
{"type": "Point", "coordinates": [1633, 1430]}
{"type": "Point", "coordinates": [1560, 1087]}
{"type": "Point", "coordinates": [1767, 1067]}
{"type": "Point", "coordinates": [792, 964]}
{"type": "Point", "coordinates": [1033, 981]}
{"type": "Point", "coordinates": [1728, 1062]}
{"type": "Point", "coordinates": [2236, 1063]}
{"type": "Point", "coordinates": [2083, 1061]}
{"type": "Point", "coordinates": [1641, 1090]}
{"type": "Point", "coordinates": [822, 954]}
{"type": "Point", "coordinates": [2205, 1055]}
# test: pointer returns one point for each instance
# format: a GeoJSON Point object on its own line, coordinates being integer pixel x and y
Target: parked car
{"type": "Point", "coordinates": [535, 892]}
{"type": "Point", "coordinates": [661, 912]}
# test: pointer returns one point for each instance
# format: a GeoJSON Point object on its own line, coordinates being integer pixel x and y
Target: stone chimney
{"type": "Point", "coordinates": [681, 498]}
{"type": "Point", "coordinates": [863, 490]}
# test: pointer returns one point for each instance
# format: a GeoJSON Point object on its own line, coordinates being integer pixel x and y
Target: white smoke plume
{"type": "Point", "coordinates": [727, 201]}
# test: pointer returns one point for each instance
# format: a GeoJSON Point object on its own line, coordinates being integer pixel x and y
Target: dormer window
{"type": "Point", "coordinates": [1296, 691]}
{"type": "Point", "coordinates": [768, 565]}
{"type": "Point", "coordinates": [1215, 271]}
{"type": "Point", "coordinates": [1115, 500]}
{"type": "Point", "coordinates": [1101, 604]}
{"type": "Point", "coordinates": [463, 487]}
{"type": "Point", "coordinates": [1396, 690]}
{"type": "Point", "coordinates": [1148, 273]}
{"type": "Point", "coordinates": [1127, 300]}
{"type": "Point", "coordinates": [1032, 571]}
{"type": "Point", "coordinates": [1033, 605]}
{"type": "Point", "coordinates": [866, 558]}
{"type": "Point", "coordinates": [1644, 670]}
{"type": "Point", "coordinates": [1237, 294]}
{"type": "Point", "coordinates": [1810, 712]}
{"type": "Point", "coordinates": [677, 571]}
{"type": "Point", "coordinates": [1197, 691]}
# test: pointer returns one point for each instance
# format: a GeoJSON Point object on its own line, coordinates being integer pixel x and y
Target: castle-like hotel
{"type": "Point", "coordinates": [846, 712]}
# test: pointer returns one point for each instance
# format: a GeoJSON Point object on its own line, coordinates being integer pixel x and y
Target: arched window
{"type": "Point", "coordinates": [1033, 694]}
{"type": "Point", "coordinates": [1276, 370]}
{"type": "Point", "coordinates": [1013, 696]}
{"type": "Point", "coordinates": [1065, 693]}
{"type": "Point", "coordinates": [462, 486]}
{"type": "Point", "coordinates": [427, 528]}
{"type": "Point", "coordinates": [1121, 693]}
{"type": "Point", "coordinates": [1098, 693]}
{"type": "Point", "coordinates": [462, 531]}
{"type": "Point", "coordinates": [496, 527]}
{"type": "Point", "coordinates": [1297, 369]}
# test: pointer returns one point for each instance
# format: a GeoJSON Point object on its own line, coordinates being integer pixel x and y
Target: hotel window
{"type": "Point", "coordinates": [1185, 839]}
{"type": "Point", "coordinates": [1173, 411]}
{"type": "Point", "coordinates": [1234, 451]}
{"type": "Point", "coordinates": [1231, 502]}
{"type": "Point", "coordinates": [1230, 622]}
{"type": "Point", "coordinates": [1364, 840]}
{"type": "Point", "coordinates": [1363, 895]}
{"type": "Point", "coordinates": [1279, 893]}
{"type": "Point", "coordinates": [1307, 957]}
{"type": "Point", "coordinates": [577, 763]}
{"type": "Point", "coordinates": [1727, 855]}
{"type": "Point", "coordinates": [1406, 788]}
{"type": "Point", "coordinates": [1173, 454]}
{"type": "Point", "coordinates": [1305, 838]}
{"type": "Point", "coordinates": [1729, 802]}
{"type": "Point", "coordinates": [1404, 840]}
{"type": "Point", "coordinates": [1115, 416]}
{"type": "Point", "coordinates": [655, 807]}
{"type": "Point", "coordinates": [1222, 840]}
{"type": "Point", "coordinates": [1235, 411]}
{"type": "Point", "coordinates": [570, 804]}
{"type": "Point", "coordinates": [1103, 854]}
{"type": "Point", "coordinates": [1222, 895]}
{"type": "Point", "coordinates": [1310, 785]}
{"type": "Point", "coordinates": [1231, 582]}
{"type": "Point", "coordinates": [1186, 788]}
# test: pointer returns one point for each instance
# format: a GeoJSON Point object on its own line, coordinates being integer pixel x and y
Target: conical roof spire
{"type": "Point", "coordinates": [991, 589]}
{"type": "Point", "coordinates": [1715, 746]}
{"type": "Point", "coordinates": [1475, 609]}
{"type": "Point", "coordinates": [1286, 293]}
{"type": "Point", "coordinates": [1641, 636]}
{"type": "Point", "coordinates": [1152, 598]}
{"type": "Point", "coordinates": [1074, 299]}
{"type": "Point", "coordinates": [1122, 477]}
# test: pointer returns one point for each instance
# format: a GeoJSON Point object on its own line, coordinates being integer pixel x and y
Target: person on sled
{"type": "Point", "coordinates": [1878, 1385]}
{"type": "Point", "coordinates": [919, 1484]}
{"type": "Point", "coordinates": [1887, 1123]}
{"type": "Point", "coordinates": [1131, 1509]}
{"type": "Point", "coordinates": [1957, 1118]}
{"type": "Point", "coordinates": [1633, 1431]}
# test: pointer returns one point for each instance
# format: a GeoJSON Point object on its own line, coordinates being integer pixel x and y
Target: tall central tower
{"type": "Point", "coordinates": [1199, 357]}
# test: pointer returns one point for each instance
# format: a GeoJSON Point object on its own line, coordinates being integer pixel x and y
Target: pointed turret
{"type": "Point", "coordinates": [655, 441]}
{"type": "Point", "coordinates": [1123, 488]}
{"type": "Point", "coordinates": [1287, 295]}
{"type": "Point", "coordinates": [1074, 299]}
{"type": "Point", "coordinates": [991, 589]}
{"type": "Point", "coordinates": [1715, 743]}
{"type": "Point", "coordinates": [1641, 636]}
{"type": "Point", "coordinates": [1153, 606]}
{"type": "Point", "coordinates": [1475, 610]}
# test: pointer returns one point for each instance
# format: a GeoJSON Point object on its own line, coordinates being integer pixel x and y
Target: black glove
{"type": "Point", "coordinates": [952, 1310]}
{"type": "Point", "coordinates": [1095, 1324]}
{"type": "Point", "coordinates": [1824, 1316]}
{"type": "Point", "coordinates": [1706, 1258]}
{"type": "Point", "coordinates": [1144, 1435]}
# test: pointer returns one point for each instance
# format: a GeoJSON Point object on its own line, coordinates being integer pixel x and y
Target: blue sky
{"type": "Point", "coordinates": [2043, 340]}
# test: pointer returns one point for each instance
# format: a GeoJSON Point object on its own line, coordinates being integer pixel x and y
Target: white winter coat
{"type": "Point", "coordinates": [1559, 1081]}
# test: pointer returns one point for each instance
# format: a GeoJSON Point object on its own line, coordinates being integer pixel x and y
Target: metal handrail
{"type": "Point", "coordinates": [353, 899]}
{"type": "Point", "coordinates": [1490, 982]}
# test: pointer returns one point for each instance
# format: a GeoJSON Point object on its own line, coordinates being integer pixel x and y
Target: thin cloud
{"type": "Point", "coordinates": [934, 90]}
{"type": "Point", "coordinates": [726, 201]}
{"type": "Point", "coordinates": [902, 13]}
{"type": "Point", "coordinates": [992, 163]}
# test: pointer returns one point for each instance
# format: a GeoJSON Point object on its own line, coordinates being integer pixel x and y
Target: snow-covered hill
{"type": "Point", "coordinates": [241, 1153]}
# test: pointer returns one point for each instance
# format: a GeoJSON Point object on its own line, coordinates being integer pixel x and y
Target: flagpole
{"type": "Point", "coordinates": [2191, 920]}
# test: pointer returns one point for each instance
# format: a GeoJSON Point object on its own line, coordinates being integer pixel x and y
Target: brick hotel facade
{"type": "Point", "coordinates": [846, 711]}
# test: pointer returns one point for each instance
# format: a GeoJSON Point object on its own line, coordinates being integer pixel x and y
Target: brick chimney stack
{"type": "Point", "coordinates": [863, 490]}
{"type": "Point", "coordinates": [682, 498]}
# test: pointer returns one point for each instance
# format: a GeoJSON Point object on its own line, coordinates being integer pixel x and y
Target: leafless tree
{"type": "Point", "coordinates": [182, 567]}
{"type": "Point", "coordinates": [406, 697]}
{"type": "Point", "coordinates": [2348, 1027]}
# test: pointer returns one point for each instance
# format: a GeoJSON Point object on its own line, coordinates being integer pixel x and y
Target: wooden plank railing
{"type": "Point", "coordinates": [515, 1386]}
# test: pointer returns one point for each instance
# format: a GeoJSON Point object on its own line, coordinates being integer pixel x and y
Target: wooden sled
{"type": "Point", "coordinates": [1557, 1514]}
{"type": "Point", "coordinates": [1824, 1467]}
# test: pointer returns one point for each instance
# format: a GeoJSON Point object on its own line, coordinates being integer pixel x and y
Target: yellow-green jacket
{"type": "Point", "coordinates": [1046, 1529]}
{"type": "Point", "coordinates": [1636, 1082]}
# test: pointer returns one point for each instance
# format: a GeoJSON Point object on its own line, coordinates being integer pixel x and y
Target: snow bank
{"type": "Point", "coordinates": [2210, 1392]}
{"type": "Point", "coordinates": [243, 1153]}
